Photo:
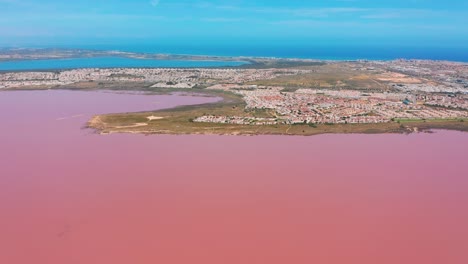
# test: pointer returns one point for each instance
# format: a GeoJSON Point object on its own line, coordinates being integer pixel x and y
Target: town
{"type": "Point", "coordinates": [356, 92]}
{"type": "Point", "coordinates": [158, 77]}
{"type": "Point", "coordinates": [312, 106]}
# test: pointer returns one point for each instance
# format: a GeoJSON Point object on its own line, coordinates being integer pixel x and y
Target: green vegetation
{"type": "Point", "coordinates": [433, 120]}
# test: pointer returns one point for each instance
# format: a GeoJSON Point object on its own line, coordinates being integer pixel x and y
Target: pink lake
{"type": "Point", "coordinates": [70, 196]}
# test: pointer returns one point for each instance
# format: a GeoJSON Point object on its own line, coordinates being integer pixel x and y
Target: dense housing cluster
{"type": "Point", "coordinates": [345, 106]}
{"type": "Point", "coordinates": [160, 77]}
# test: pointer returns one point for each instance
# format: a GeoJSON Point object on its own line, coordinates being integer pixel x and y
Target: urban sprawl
{"type": "Point", "coordinates": [369, 92]}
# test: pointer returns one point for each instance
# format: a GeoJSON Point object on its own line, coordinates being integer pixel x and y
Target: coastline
{"type": "Point", "coordinates": [52, 54]}
{"type": "Point", "coordinates": [179, 121]}
{"type": "Point", "coordinates": [318, 53]}
{"type": "Point", "coordinates": [273, 96]}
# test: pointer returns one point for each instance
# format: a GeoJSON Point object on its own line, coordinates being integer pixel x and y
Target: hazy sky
{"type": "Point", "coordinates": [396, 22]}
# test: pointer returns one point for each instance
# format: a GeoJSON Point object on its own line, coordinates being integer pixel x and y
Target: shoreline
{"type": "Point", "coordinates": [199, 56]}
{"type": "Point", "coordinates": [178, 121]}
{"type": "Point", "coordinates": [180, 117]}
{"type": "Point", "coordinates": [31, 54]}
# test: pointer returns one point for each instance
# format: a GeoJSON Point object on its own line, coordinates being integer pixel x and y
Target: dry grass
{"type": "Point", "coordinates": [330, 76]}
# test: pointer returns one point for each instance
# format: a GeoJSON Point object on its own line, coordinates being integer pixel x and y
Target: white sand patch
{"type": "Point", "coordinates": [132, 126]}
{"type": "Point", "coordinates": [151, 118]}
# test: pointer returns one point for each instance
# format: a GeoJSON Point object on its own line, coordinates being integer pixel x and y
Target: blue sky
{"type": "Point", "coordinates": [354, 22]}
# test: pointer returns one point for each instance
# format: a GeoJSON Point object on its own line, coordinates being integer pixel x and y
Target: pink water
{"type": "Point", "coordinates": [69, 196]}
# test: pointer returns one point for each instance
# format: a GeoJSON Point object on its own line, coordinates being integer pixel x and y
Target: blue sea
{"type": "Point", "coordinates": [109, 62]}
{"type": "Point", "coordinates": [320, 52]}
{"type": "Point", "coordinates": [302, 51]}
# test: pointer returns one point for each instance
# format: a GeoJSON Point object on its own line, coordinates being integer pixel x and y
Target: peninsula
{"type": "Point", "coordinates": [273, 96]}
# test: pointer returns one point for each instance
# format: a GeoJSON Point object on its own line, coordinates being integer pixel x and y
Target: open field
{"type": "Point", "coordinates": [341, 75]}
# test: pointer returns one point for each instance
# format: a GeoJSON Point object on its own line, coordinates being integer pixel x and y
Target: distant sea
{"type": "Point", "coordinates": [108, 62]}
{"type": "Point", "coordinates": [330, 52]}
{"type": "Point", "coordinates": [320, 52]}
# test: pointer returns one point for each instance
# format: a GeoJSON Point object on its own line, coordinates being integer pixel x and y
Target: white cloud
{"type": "Point", "coordinates": [154, 2]}
{"type": "Point", "coordinates": [222, 19]}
